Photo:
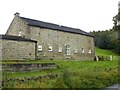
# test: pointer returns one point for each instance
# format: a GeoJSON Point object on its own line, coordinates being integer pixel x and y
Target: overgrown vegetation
{"type": "Point", "coordinates": [70, 74]}
{"type": "Point", "coordinates": [108, 39]}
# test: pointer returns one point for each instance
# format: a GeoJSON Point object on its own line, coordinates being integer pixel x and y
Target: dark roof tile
{"type": "Point", "coordinates": [42, 24]}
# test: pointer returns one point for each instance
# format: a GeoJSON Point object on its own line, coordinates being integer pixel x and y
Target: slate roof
{"type": "Point", "coordinates": [15, 38]}
{"type": "Point", "coordinates": [42, 24]}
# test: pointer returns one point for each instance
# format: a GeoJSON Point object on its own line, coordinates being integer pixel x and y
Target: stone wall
{"type": "Point", "coordinates": [59, 39]}
{"type": "Point", "coordinates": [21, 67]}
{"type": "Point", "coordinates": [55, 39]}
{"type": "Point", "coordinates": [18, 25]}
{"type": "Point", "coordinates": [17, 50]}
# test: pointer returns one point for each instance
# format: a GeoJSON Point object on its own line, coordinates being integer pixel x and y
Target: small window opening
{"type": "Point", "coordinates": [75, 50]}
{"type": "Point", "coordinates": [39, 47]}
{"type": "Point", "coordinates": [90, 51]}
{"type": "Point", "coordinates": [60, 49]}
{"type": "Point", "coordinates": [20, 33]}
{"type": "Point", "coordinates": [50, 48]}
{"type": "Point", "coordinates": [83, 51]}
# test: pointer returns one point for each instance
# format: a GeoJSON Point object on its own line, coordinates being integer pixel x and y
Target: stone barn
{"type": "Point", "coordinates": [54, 42]}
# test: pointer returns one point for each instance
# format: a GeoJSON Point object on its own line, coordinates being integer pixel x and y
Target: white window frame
{"type": "Point", "coordinates": [68, 50]}
{"type": "Point", "coordinates": [60, 49]}
{"type": "Point", "coordinates": [75, 50]}
{"type": "Point", "coordinates": [39, 47]}
{"type": "Point", "coordinates": [90, 51]}
{"type": "Point", "coordinates": [50, 48]}
{"type": "Point", "coordinates": [83, 50]}
{"type": "Point", "coordinates": [20, 33]}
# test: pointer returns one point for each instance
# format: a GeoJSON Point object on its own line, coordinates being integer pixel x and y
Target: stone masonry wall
{"type": "Point", "coordinates": [18, 25]}
{"type": "Point", "coordinates": [17, 50]}
{"type": "Point", "coordinates": [56, 39]}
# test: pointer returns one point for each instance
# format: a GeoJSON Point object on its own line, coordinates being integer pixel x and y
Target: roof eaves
{"type": "Point", "coordinates": [47, 25]}
{"type": "Point", "coordinates": [15, 38]}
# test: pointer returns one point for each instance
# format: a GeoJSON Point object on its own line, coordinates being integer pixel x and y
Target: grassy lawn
{"type": "Point", "coordinates": [103, 52]}
{"type": "Point", "coordinates": [71, 74]}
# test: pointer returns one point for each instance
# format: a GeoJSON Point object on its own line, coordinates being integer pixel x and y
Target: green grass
{"type": "Point", "coordinates": [29, 74]}
{"type": "Point", "coordinates": [102, 52]}
{"type": "Point", "coordinates": [71, 74]}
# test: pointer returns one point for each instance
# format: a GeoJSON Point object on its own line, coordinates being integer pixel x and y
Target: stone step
{"type": "Point", "coordinates": [22, 67]}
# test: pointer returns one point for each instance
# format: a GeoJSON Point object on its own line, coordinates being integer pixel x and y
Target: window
{"type": "Point", "coordinates": [68, 49]}
{"type": "Point", "coordinates": [48, 35]}
{"type": "Point", "coordinates": [57, 36]}
{"type": "Point", "coordinates": [39, 34]}
{"type": "Point", "coordinates": [75, 50]}
{"type": "Point", "coordinates": [60, 49]}
{"type": "Point", "coordinates": [83, 51]}
{"type": "Point", "coordinates": [39, 47]}
{"type": "Point", "coordinates": [20, 33]}
{"type": "Point", "coordinates": [50, 48]}
{"type": "Point", "coordinates": [90, 51]}
{"type": "Point", "coordinates": [77, 39]}
{"type": "Point", "coordinates": [67, 37]}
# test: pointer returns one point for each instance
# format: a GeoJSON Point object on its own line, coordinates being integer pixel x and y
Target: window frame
{"type": "Point", "coordinates": [50, 49]}
{"type": "Point", "coordinates": [83, 50]}
{"type": "Point", "coordinates": [39, 48]}
{"type": "Point", "coordinates": [68, 52]}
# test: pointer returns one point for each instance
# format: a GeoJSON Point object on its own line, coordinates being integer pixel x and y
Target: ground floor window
{"type": "Point", "coordinates": [68, 50]}
{"type": "Point", "coordinates": [39, 47]}
{"type": "Point", "coordinates": [75, 50]}
{"type": "Point", "coordinates": [83, 50]}
{"type": "Point", "coordinates": [60, 49]}
{"type": "Point", "coordinates": [50, 48]}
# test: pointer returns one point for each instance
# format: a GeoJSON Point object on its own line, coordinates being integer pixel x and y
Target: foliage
{"type": "Point", "coordinates": [103, 52]}
{"type": "Point", "coordinates": [72, 74]}
{"type": "Point", "coordinates": [108, 39]}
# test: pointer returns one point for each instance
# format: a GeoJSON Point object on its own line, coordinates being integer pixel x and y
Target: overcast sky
{"type": "Point", "coordinates": [87, 15]}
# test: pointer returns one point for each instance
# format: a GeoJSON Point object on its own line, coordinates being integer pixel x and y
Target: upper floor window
{"type": "Point", "coordinates": [77, 39]}
{"type": "Point", "coordinates": [57, 36]}
{"type": "Point", "coordinates": [39, 34]}
{"type": "Point", "coordinates": [20, 33]}
{"type": "Point", "coordinates": [48, 35]}
{"type": "Point", "coordinates": [90, 51]}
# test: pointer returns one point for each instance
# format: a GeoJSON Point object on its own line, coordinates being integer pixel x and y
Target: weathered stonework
{"type": "Point", "coordinates": [61, 39]}
{"type": "Point", "coordinates": [17, 49]}
{"type": "Point", "coordinates": [81, 46]}
{"type": "Point", "coordinates": [22, 67]}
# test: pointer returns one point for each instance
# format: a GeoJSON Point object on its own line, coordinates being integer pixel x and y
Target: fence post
{"type": "Point", "coordinates": [97, 59]}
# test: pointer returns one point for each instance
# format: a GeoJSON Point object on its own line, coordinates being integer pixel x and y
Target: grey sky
{"type": "Point", "coordinates": [87, 15]}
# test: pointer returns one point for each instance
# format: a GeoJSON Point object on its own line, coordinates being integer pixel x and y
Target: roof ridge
{"type": "Point", "coordinates": [38, 23]}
